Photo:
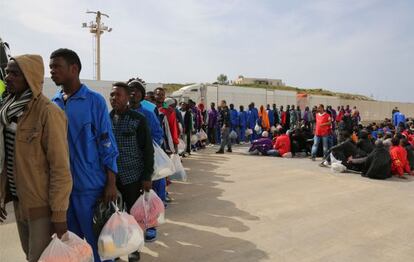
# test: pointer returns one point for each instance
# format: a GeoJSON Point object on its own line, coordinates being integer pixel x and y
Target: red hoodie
{"type": "Point", "coordinates": [399, 161]}
{"type": "Point", "coordinates": [172, 122]}
{"type": "Point", "coordinates": [282, 144]}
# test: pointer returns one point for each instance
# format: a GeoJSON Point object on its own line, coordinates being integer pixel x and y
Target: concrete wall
{"type": "Point", "coordinates": [102, 87]}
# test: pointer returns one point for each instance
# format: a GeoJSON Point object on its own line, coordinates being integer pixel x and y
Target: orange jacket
{"type": "Point", "coordinates": [265, 118]}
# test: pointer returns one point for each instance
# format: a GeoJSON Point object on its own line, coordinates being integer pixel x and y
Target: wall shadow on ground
{"type": "Point", "coordinates": [196, 211]}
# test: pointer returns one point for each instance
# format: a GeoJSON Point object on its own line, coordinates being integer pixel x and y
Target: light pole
{"type": "Point", "coordinates": [97, 28]}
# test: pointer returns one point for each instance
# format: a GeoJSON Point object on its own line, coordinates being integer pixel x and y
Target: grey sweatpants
{"type": "Point", "coordinates": [225, 139]}
{"type": "Point", "coordinates": [34, 234]}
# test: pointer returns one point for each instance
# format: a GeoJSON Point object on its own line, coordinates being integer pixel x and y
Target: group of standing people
{"type": "Point", "coordinates": [60, 158]}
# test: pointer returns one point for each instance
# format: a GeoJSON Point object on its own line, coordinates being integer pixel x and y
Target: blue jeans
{"type": "Point", "coordinates": [325, 144]}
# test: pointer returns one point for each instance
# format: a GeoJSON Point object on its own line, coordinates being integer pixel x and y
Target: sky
{"type": "Point", "coordinates": [354, 46]}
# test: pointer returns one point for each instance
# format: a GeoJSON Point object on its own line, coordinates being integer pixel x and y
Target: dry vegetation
{"type": "Point", "coordinates": [174, 87]}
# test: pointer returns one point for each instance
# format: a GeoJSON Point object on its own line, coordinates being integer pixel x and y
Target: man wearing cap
{"type": "Point", "coordinates": [135, 102]}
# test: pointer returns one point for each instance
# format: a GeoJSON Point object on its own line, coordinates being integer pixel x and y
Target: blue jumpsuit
{"type": "Point", "coordinates": [252, 118]}
{"type": "Point", "coordinates": [92, 150]}
{"type": "Point", "coordinates": [243, 125]}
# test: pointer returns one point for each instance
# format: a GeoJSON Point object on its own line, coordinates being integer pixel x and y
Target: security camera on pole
{"type": "Point", "coordinates": [97, 28]}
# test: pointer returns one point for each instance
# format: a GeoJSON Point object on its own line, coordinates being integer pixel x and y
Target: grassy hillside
{"type": "Point", "coordinates": [169, 88]}
{"type": "Point", "coordinates": [317, 91]}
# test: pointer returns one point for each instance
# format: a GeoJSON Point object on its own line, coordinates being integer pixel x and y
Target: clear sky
{"type": "Point", "coordinates": [360, 46]}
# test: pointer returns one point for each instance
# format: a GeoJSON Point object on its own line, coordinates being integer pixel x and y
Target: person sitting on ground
{"type": "Point", "coordinates": [261, 146]}
{"type": "Point", "coordinates": [282, 144]}
{"type": "Point", "coordinates": [377, 165]}
{"type": "Point", "coordinates": [410, 152]}
{"type": "Point", "coordinates": [344, 150]}
{"type": "Point", "coordinates": [364, 143]}
{"type": "Point", "coordinates": [399, 159]}
{"type": "Point", "coordinates": [299, 141]}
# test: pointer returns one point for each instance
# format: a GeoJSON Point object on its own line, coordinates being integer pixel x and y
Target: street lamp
{"type": "Point", "coordinates": [97, 28]}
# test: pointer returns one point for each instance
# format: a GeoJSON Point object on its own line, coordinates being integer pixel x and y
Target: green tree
{"type": "Point", "coordinates": [222, 79]}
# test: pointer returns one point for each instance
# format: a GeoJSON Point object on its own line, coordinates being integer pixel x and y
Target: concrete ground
{"type": "Point", "coordinates": [236, 207]}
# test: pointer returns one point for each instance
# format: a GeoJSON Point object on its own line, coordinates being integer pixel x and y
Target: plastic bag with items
{"type": "Point", "coordinates": [181, 146]}
{"type": "Point", "coordinates": [180, 174]}
{"type": "Point", "coordinates": [257, 129]}
{"type": "Point", "coordinates": [163, 166]}
{"type": "Point", "coordinates": [81, 247]}
{"type": "Point", "coordinates": [202, 135]}
{"type": "Point", "coordinates": [57, 251]}
{"type": "Point", "coordinates": [233, 135]}
{"type": "Point", "coordinates": [148, 209]}
{"type": "Point", "coordinates": [249, 132]}
{"type": "Point", "coordinates": [194, 139]}
{"type": "Point", "coordinates": [120, 236]}
{"type": "Point", "coordinates": [103, 213]}
{"type": "Point", "coordinates": [336, 165]}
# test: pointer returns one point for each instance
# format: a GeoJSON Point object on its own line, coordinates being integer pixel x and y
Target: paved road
{"type": "Point", "coordinates": [243, 208]}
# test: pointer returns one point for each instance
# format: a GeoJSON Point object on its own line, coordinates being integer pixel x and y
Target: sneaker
{"type": "Point", "coordinates": [168, 199]}
{"type": "Point", "coordinates": [313, 158]}
{"type": "Point", "coordinates": [151, 235]}
{"type": "Point", "coordinates": [134, 257]}
{"type": "Point", "coordinates": [220, 152]}
{"type": "Point", "coordinates": [229, 150]}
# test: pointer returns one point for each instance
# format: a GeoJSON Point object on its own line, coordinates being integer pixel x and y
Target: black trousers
{"type": "Point", "coordinates": [188, 142]}
{"type": "Point", "coordinates": [130, 193]}
{"type": "Point", "coordinates": [211, 135]}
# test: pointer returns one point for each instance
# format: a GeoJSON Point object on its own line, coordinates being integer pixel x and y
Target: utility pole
{"type": "Point", "coordinates": [97, 28]}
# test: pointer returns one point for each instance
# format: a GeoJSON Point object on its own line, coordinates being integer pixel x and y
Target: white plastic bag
{"type": "Point", "coordinates": [194, 139]}
{"type": "Point", "coordinates": [163, 166]}
{"type": "Point", "coordinates": [202, 135]}
{"type": "Point", "coordinates": [233, 135]}
{"type": "Point", "coordinates": [257, 129]}
{"type": "Point", "coordinates": [249, 132]}
{"type": "Point", "coordinates": [82, 248]}
{"type": "Point", "coordinates": [148, 209]}
{"type": "Point", "coordinates": [336, 165]}
{"type": "Point", "coordinates": [180, 174]}
{"type": "Point", "coordinates": [181, 146]}
{"type": "Point", "coordinates": [120, 236]}
{"type": "Point", "coordinates": [57, 251]}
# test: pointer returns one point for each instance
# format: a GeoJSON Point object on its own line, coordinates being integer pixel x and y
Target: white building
{"type": "Point", "coordinates": [261, 81]}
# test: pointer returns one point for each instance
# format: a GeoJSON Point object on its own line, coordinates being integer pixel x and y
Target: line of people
{"type": "Point", "coordinates": [60, 158]}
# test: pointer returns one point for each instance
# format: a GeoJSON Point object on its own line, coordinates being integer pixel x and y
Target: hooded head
{"type": "Point", "coordinates": [379, 143]}
{"type": "Point", "coordinates": [169, 101]}
{"type": "Point", "coordinates": [32, 69]}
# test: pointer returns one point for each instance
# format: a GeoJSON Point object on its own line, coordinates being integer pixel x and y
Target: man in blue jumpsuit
{"type": "Point", "coordinates": [234, 120]}
{"type": "Point", "coordinates": [252, 118]}
{"type": "Point", "coordinates": [92, 148]}
{"type": "Point", "coordinates": [242, 124]}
